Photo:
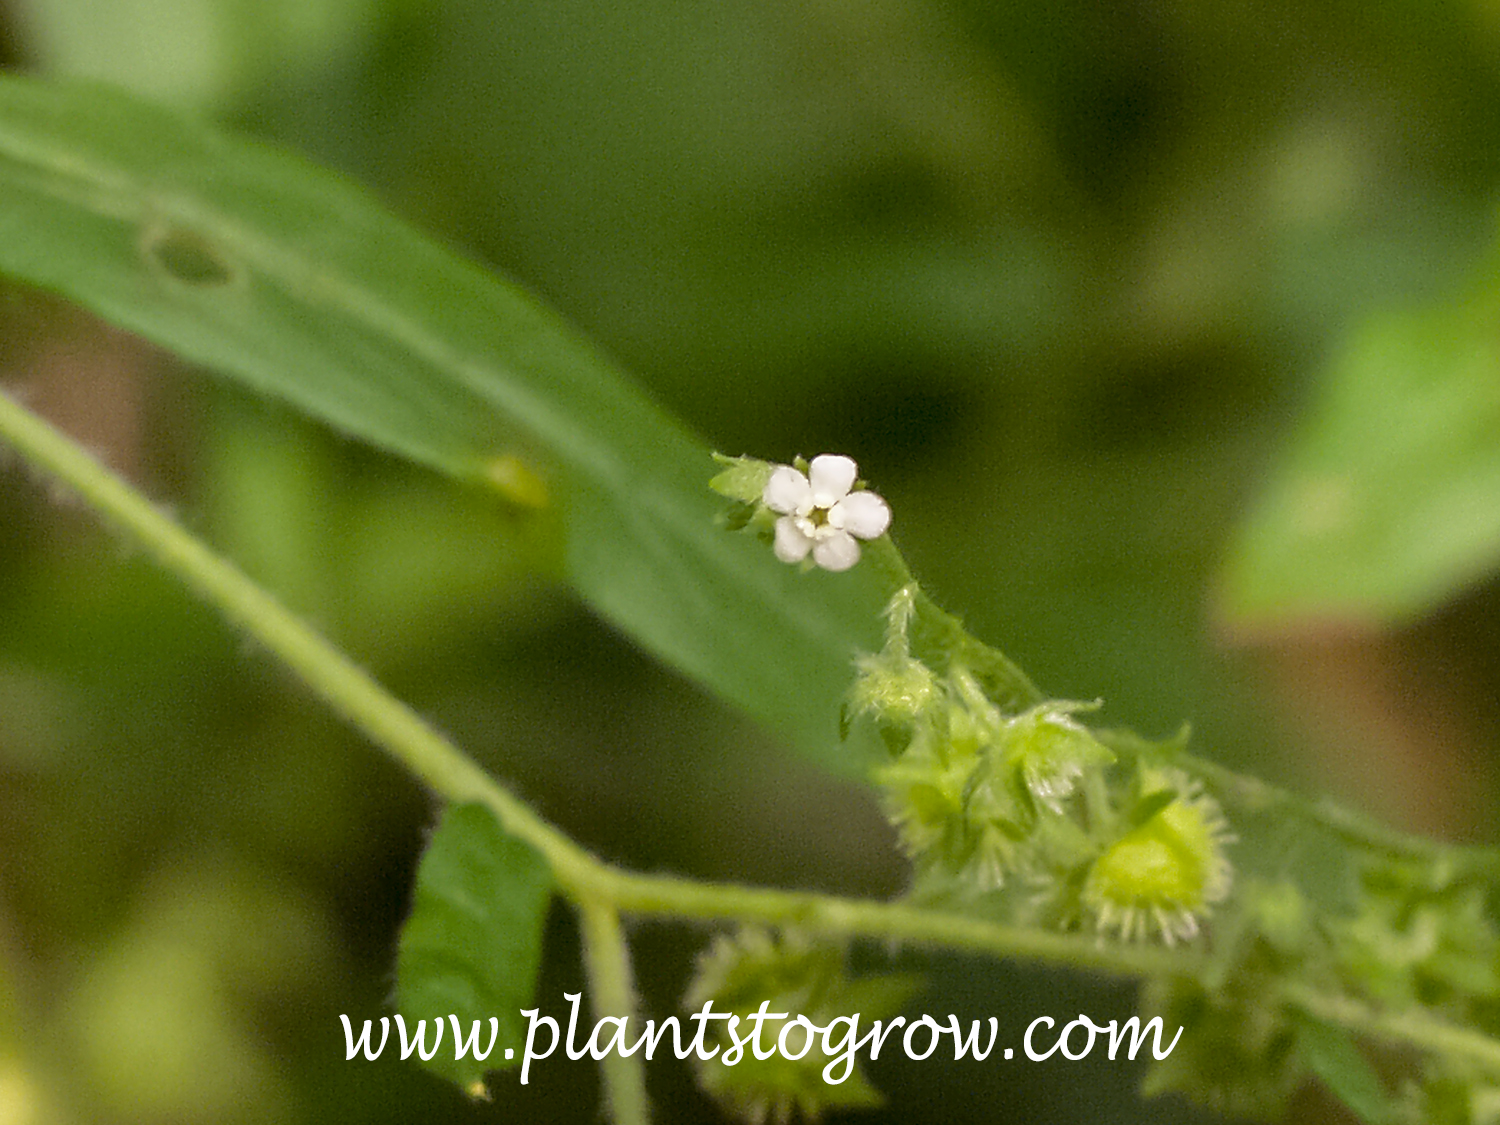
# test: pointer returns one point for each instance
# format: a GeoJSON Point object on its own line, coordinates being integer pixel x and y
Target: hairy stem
{"type": "Point", "coordinates": [937, 630]}
{"type": "Point", "coordinates": [602, 891]}
{"type": "Point", "coordinates": [448, 771]}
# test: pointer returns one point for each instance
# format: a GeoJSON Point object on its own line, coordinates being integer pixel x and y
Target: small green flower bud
{"type": "Point", "coordinates": [1051, 750]}
{"type": "Point", "coordinates": [899, 613]}
{"type": "Point", "coordinates": [893, 688]}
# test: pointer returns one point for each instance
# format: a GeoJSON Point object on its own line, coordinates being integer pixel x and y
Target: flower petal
{"type": "Point", "coordinates": [831, 475]}
{"type": "Point", "coordinates": [787, 491]}
{"type": "Point", "coordinates": [791, 544]}
{"type": "Point", "coordinates": [863, 514]}
{"type": "Point", "coordinates": [836, 552]}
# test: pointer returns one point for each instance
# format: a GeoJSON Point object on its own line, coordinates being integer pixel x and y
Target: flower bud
{"type": "Point", "coordinates": [1051, 750]}
{"type": "Point", "coordinates": [893, 688]}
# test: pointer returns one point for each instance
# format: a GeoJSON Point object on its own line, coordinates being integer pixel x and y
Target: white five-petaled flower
{"type": "Point", "coordinates": [820, 515]}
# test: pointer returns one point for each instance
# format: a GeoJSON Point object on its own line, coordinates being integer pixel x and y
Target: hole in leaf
{"type": "Point", "coordinates": [188, 257]}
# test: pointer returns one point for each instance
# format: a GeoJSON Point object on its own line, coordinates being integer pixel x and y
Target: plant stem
{"type": "Point", "coordinates": [1015, 691]}
{"type": "Point", "coordinates": [393, 726]}
{"type": "Point", "coordinates": [1256, 796]}
{"type": "Point", "coordinates": [669, 896]}
{"type": "Point", "coordinates": [1414, 1026]}
{"type": "Point", "coordinates": [346, 687]}
{"type": "Point", "coordinates": [607, 959]}
{"type": "Point", "coordinates": [943, 635]}
{"type": "Point", "coordinates": [602, 891]}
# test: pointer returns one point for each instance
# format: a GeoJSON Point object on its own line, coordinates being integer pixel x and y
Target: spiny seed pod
{"type": "Point", "coordinates": [772, 1067]}
{"type": "Point", "coordinates": [1051, 750]}
{"type": "Point", "coordinates": [926, 792]}
{"type": "Point", "coordinates": [1163, 875]}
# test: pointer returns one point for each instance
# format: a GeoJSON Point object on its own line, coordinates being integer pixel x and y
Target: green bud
{"type": "Point", "coordinates": [899, 612]}
{"type": "Point", "coordinates": [1052, 751]}
{"type": "Point", "coordinates": [893, 688]}
{"type": "Point", "coordinates": [743, 479]}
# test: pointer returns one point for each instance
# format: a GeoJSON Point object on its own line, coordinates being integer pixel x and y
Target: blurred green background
{"type": "Point", "coordinates": [1108, 299]}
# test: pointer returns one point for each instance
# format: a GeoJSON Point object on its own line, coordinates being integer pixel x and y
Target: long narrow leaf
{"type": "Point", "coordinates": [295, 283]}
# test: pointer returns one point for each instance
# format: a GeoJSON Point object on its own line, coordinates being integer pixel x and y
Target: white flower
{"type": "Point", "coordinates": [819, 514]}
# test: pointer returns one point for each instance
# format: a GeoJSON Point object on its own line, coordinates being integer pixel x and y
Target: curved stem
{"type": "Point", "coordinates": [1256, 796]}
{"type": "Point", "coordinates": [393, 726]}
{"type": "Point", "coordinates": [942, 634]}
{"type": "Point", "coordinates": [341, 683]}
{"type": "Point", "coordinates": [602, 891]}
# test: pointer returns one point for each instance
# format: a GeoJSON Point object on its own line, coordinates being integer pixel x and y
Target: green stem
{"type": "Point", "coordinates": [346, 687]}
{"type": "Point", "coordinates": [1259, 797]}
{"type": "Point", "coordinates": [607, 959]}
{"type": "Point", "coordinates": [393, 726]}
{"type": "Point", "coordinates": [1414, 1026]}
{"type": "Point", "coordinates": [942, 636]}
{"type": "Point", "coordinates": [603, 891]}
{"type": "Point", "coordinates": [668, 896]}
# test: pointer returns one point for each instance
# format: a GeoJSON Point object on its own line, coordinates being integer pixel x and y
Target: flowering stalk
{"type": "Point", "coordinates": [1012, 808]}
{"type": "Point", "coordinates": [1412, 960]}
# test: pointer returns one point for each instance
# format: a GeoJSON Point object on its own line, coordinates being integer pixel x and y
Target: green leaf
{"type": "Point", "coordinates": [1333, 1057]}
{"type": "Point", "coordinates": [1389, 499]}
{"type": "Point", "coordinates": [296, 284]}
{"type": "Point", "coordinates": [473, 943]}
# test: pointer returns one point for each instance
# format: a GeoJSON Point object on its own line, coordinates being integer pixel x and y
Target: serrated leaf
{"type": "Point", "coordinates": [296, 284]}
{"type": "Point", "coordinates": [1331, 1054]}
{"type": "Point", "coordinates": [473, 943]}
{"type": "Point", "coordinates": [1389, 499]}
